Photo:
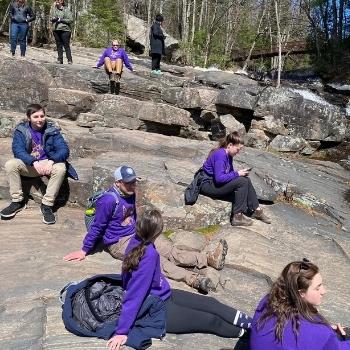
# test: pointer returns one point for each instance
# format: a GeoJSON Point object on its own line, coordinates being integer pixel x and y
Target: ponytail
{"type": "Point", "coordinates": [232, 137]}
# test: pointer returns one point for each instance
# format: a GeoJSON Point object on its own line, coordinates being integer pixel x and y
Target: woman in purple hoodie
{"type": "Point", "coordinates": [185, 312]}
{"type": "Point", "coordinates": [222, 181]}
{"type": "Point", "coordinates": [287, 318]}
{"type": "Point", "coordinates": [113, 59]}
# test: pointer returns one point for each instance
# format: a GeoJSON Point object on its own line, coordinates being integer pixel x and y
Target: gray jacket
{"type": "Point", "coordinates": [21, 14]}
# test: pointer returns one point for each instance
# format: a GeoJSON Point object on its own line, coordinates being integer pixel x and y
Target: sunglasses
{"type": "Point", "coordinates": [304, 265]}
{"type": "Point", "coordinates": [115, 45]}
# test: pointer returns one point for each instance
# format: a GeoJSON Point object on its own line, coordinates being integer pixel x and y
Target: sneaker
{"type": "Point", "coordinates": [13, 54]}
{"type": "Point", "coordinates": [59, 62]}
{"type": "Point", "coordinates": [259, 215]}
{"type": "Point", "coordinates": [70, 62]}
{"type": "Point", "coordinates": [202, 284]}
{"type": "Point", "coordinates": [159, 72]}
{"type": "Point", "coordinates": [12, 209]}
{"type": "Point", "coordinates": [216, 257]}
{"type": "Point", "coordinates": [154, 72]}
{"type": "Point", "coordinates": [48, 216]}
{"type": "Point", "coordinates": [241, 220]}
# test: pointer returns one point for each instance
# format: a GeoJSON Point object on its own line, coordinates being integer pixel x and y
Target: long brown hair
{"type": "Point", "coordinates": [284, 301]}
{"type": "Point", "coordinates": [148, 227]}
{"type": "Point", "coordinates": [232, 137]}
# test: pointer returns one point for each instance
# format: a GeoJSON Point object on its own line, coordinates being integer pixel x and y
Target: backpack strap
{"type": "Point", "coordinates": [116, 197]}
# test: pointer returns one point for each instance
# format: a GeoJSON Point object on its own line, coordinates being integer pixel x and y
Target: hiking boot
{"type": "Point", "coordinates": [112, 76]}
{"type": "Point", "coordinates": [202, 284]}
{"type": "Point", "coordinates": [48, 216]}
{"type": "Point", "coordinates": [216, 257]}
{"type": "Point", "coordinates": [241, 220]}
{"type": "Point", "coordinates": [12, 209]}
{"type": "Point", "coordinates": [259, 215]}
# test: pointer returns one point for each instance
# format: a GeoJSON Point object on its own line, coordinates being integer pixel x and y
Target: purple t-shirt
{"type": "Point", "coordinates": [219, 166]}
{"type": "Point", "coordinates": [312, 336]}
{"type": "Point", "coordinates": [138, 284]}
{"type": "Point", "coordinates": [114, 55]}
{"type": "Point", "coordinates": [37, 144]}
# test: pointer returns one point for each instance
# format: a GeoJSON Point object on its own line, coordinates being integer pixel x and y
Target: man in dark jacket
{"type": "Point", "coordinates": [156, 39]}
{"type": "Point", "coordinates": [21, 15]}
{"type": "Point", "coordinates": [39, 150]}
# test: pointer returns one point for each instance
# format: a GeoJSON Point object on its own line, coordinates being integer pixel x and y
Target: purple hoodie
{"type": "Point", "coordinates": [114, 55]}
{"type": "Point", "coordinates": [312, 336]}
{"type": "Point", "coordinates": [138, 284]}
{"type": "Point", "coordinates": [219, 166]}
{"type": "Point", "coordinates": [108, 226]}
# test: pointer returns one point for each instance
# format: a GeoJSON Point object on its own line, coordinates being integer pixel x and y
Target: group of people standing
{"type": "Point", "coordinates": [21, 14]}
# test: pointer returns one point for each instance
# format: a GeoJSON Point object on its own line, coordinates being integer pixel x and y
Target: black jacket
{"type": "Point", "coordinates": [156, 39]}
{"type": "Point", "coordinates": [21, 14]}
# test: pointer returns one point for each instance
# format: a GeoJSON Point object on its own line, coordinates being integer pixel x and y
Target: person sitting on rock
{"type": "Point", "coordinates": [287, 318]}
{"type": "Point", "coordinates": [39, 150]}
{"type": "Point", "coordinates": [116, 226]}
{"type": "Point", "coordinates": [221, 181]}
{"type": "Point", "coordinates": [156, 40]}
{"type": "Point", "coordinates": [113, 59]}
{"type": "Point", "coordinates": [178, 311]}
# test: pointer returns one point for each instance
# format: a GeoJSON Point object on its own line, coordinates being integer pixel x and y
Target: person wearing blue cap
{"type": "Point", "coordinates": [115, 224]}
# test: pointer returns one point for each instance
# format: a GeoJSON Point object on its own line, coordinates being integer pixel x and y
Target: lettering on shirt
{"type": "Point", "coordinates": [37, 150]}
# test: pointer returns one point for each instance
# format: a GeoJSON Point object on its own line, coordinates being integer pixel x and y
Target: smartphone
{"type": "Point", "coordinates": [249, 169]}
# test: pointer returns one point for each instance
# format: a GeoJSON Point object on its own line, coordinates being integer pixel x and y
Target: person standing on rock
{"type": "Point", "coordinates": [61, 18]}
{"type": "Point", "coordinates": [21, 15]}
{"type": "Point", "coordinates": [221, 181]}
{"type": "Point", "coordinates": [156, 40]}
{"type": "Point", "coordinates": [39, 150]}
{"type": "Point", "coordinates": [115, 225]}
{"type": "Point", "coordinates": [287, 318]}
{"type": "Point", "coordinates": [113, 59]}
{"type": "Point", "coordinates": [178, 311]}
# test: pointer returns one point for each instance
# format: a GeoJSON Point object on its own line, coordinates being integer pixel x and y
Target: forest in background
{"type": "Point", "coordinates": [217, 32]}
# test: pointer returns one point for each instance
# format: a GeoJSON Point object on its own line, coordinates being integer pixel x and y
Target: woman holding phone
{"type": "Point", "coordinates": [222, 181]}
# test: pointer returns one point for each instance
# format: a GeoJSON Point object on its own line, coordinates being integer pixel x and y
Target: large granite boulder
{"type": "Point", "coordinates": [22, 84]}
{"type": "Point", "coordinates": [303, 113]}
{"type": "Point", "coordinates": [288, 143]}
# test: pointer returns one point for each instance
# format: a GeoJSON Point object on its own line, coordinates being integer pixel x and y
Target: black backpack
{"type": "Point", "coordinates": [193, 189]}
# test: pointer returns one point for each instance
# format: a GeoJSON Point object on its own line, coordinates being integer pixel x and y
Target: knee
{"type": "Point", "coordinates": [107, 60]}
{"type": "Point", "coordinates": [12, 165]}
{"type": "Point", "coordinates": [59, 169]}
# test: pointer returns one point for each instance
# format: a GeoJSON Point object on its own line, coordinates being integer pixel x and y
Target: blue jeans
{"type": "Point", "coordinates": [19, 31]}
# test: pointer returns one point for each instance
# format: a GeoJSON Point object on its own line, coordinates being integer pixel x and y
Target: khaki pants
{"type": "Point", "coordinates": [171, 259]}
{"type": "Point", "coordinates": [15, 168]}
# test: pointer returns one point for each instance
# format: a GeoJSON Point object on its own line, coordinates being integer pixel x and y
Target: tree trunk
{"type": "Point", "coordinates": [279, 42]}
{"type": "Point", "coordinates": [149, 20]}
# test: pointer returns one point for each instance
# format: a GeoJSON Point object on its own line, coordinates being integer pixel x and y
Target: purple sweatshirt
{"type": "Point", "coordinates": [219, 166]}
{"type": "Point", "coordinates": [114, 55]}
{"type": "Point", "coordinates": [312, 336]}
{"type": "Point", "coordinates": [108, 226]}
{"type": "Point", "coordinates": [138, 284]}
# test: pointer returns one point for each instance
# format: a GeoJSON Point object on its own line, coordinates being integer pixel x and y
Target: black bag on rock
{"type": "Point", "coordinates": [193, 189]}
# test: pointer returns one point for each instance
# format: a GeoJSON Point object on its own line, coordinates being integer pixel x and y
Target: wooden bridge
{"type": "Point", "coordinates": [292, 48]}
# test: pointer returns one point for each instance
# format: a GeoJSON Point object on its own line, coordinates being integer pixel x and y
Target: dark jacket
{"type": "Point", "coordinates": [156, 39]}
{"type": "Point", "coordinates": [54, 145]}
{"type": "Point", "coordinates": [21, 14]}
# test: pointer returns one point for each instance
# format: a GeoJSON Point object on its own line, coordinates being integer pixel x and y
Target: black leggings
{"type": "Point", "coordinates": [239, 191]}
{"type": "Point", "coordinates": [195, 313]}
{"type": "Point", "coordinates": [156, 57]}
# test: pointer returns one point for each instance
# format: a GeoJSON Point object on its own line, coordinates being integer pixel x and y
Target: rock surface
{"type": "Point", "coordinates": [307, 199]}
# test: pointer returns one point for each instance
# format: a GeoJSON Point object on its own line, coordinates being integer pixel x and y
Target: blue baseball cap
{"type": "Point", "coordinates": [125, 173]}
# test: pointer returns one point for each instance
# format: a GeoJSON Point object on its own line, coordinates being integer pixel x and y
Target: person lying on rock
{"type": "Point", "coordinates": [115, 225]}
{"type": "Point", "coordinates": [39, 150]}
{"type": "Point", "coordinates": [221, 181]}
{"type": "Point", "coordinates": [287, 318]}
{"type": "Point", "coordinates": [113, 59]}
{"type": "Point", "coordinates": [180, 312]}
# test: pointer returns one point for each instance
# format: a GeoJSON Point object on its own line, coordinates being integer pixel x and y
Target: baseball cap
{"type": "Point", "coordinates": [125, 174]}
